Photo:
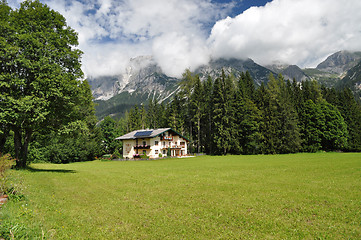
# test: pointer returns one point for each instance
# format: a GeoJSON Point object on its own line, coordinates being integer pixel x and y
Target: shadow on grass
{"type": "Point", "coordinates": [30, 169]}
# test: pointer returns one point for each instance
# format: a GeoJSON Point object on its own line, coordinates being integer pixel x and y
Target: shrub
{"type": "Point", "coordinates": [6, 162]}
{"type": "Point", "coordinates": [144, 156]}
{"type": "Point", "coordinates": [116, 154]}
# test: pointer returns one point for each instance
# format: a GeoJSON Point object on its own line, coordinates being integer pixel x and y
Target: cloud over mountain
{"type": "Point", "coordinates": [111, 31]}
{"type": "Point", "coordinates": [188, 33]}
{"type": "Point", "coordinates": [298, 32]}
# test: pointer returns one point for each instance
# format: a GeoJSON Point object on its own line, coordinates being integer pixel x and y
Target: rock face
{"type": "Point", "coordinates": [236, 67]}
{"type": "Point", "coordinates": [294, 72]}
{"type": "Point", "coordinates": [352, 80]}
{"type": "Point", "coordinates": [339, 62]}
{"type": "Point", "coordinates": [289, 72]}
{"type": "Point", "coordinates": [142, 74]}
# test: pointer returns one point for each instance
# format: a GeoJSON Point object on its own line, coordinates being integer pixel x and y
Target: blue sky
{"type": "Point", "coordinates": [182, 34]}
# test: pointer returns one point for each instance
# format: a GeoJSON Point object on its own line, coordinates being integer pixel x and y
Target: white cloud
{"type": "Point", "coordinates": [299, 32]}
{"type": "Point", "coordinates": [171, 30]}
{"type": "Point", "coordinates": [175, 52]}
{"type": "Point", "coordinates": [176, 32]}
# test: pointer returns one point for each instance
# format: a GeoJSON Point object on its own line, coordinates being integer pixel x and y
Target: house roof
{"type": "Point", "coordinates": [147, 133]}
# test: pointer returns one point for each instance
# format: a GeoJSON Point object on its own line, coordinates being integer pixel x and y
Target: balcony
{"type": "Point", "coordinates": [169, 138]}
{"type": "Point", "coordinates": [173, 147]}
{"type": "Point", "coordinates": [142, 147]}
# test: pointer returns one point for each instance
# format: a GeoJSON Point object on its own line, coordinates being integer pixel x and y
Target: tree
{"type": "Point", "coordinates": [350, 108]}
{"type": "Point", "coordinates": [208, 115]}
{"type": "Point", "coordinates": [223, 114]}
{"type": "Point", "coordinates": [40, 73]}
{"type": "Point", "coordinates": [197, 110]}
{"type": "Point", "coordinates": [351, 112]}
{"type": "Point", "coordinates": [108, 127]}
{"type": "Point", "coordinates": [247, 117]}
{"type": "Point", "coordinates": [310, 124]}
{"type": "Point", "coordinates": [280, 121]}
{"type": "Point", "coordinates": [334, 128]}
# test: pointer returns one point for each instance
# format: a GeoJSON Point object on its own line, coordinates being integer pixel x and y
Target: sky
{"type": "Point", "coordinates": [182, 34]}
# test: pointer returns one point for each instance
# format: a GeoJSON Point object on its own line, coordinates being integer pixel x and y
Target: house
{"type": "Point", "coordinates": [154, 143]}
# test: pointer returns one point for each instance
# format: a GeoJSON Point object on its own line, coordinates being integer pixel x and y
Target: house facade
{"type": "Point", "coordinates": [154, 143]}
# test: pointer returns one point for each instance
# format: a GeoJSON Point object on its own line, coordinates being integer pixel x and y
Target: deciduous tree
{"type": "Point", "coordinates": [40, 73]}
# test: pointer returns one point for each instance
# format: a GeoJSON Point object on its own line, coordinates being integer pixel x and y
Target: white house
{"type": "Point", "coordinates": [154, 143]}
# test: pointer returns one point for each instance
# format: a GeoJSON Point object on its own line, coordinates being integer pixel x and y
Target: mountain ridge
{"type": "Point", "coordinates": [143, 79]}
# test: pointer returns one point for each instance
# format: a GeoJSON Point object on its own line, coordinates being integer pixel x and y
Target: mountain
{"type": "Point", "coordinates": [141, 75]}
{"type": "Point", "coordinates": [236, 67]}
{"type": "Point", "coordinates": [143, 79]}
{"type": "Point", "coordinates": [352, 80]}
{"type": "Point", "coordinates": [339, 62]}
{"type": "Point", "coordinates": [289, 72]}
{"type": "Point", "coordinates": [334, 68]}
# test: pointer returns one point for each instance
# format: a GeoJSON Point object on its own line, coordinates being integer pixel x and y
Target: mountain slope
{"type": "Point", "coordinates": [352, 80]}
{"type": "Point", "coordinates": [144, 80]}
{"type": "Point", "coordinates": [289, 72]}
{"type": "Point", "coordinates": [339, 62]}
{"type": "Point", "coordinates": [334, 68]}
{"type": "Point", "coordinates": [236, 67]}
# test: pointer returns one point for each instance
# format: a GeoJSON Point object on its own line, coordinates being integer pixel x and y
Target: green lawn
{"type": "Point", "coordinates": [231, 197]}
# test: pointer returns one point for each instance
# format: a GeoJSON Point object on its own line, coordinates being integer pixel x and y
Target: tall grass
{"type": "Point", "coordinates": [230, 197]}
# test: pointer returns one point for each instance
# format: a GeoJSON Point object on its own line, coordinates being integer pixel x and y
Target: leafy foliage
{"type": "Point", "coordinates": [42, 95]}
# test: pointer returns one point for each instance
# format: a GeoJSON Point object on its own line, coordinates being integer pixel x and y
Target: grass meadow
{"type": "Point", "coordinates": [297, 196]}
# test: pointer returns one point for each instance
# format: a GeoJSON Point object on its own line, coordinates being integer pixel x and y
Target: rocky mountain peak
{"type": "Point", "coordinates": [339, 62]}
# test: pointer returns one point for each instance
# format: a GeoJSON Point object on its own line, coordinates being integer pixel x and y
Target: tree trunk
{"type": "Point", "coordinates": [199, 134]}
{"type": "Point", "coordinates": [3, 138]}
{"type": "Point", "coordinates": [21, 144]}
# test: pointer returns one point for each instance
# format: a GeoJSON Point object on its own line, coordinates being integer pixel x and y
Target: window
{"type": "Point", "coordinates": [144, 152]}
{"type": "Point", "coordinates": [156, 151]}
{"type": "Point", "coordinates": [144, 143]}
{"type": "Point", "coordinates": [164, 152]}
{"type": "Point", "coordinates": [156, 143]}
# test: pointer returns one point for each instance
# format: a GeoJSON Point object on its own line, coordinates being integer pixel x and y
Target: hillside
{"type": "Point", "coordinates": [143, 79]}
{"type": "Point", "coordinates": [334, 68]}
{"type": "Point", "coordinates": [352, 80]}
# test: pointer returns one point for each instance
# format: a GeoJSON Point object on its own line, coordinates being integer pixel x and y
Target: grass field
{"type": "Point", "coordinates": [231, 197]}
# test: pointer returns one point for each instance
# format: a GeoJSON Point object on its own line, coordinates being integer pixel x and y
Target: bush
{"type": "Point", "coordinates": [6, 162]}
{"type": "Point", "coordinates": [116, 154]}
{"type": "Point", "coordinates": [144, 156]}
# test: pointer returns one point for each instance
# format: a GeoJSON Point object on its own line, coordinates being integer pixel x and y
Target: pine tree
{"type": "Point", "coordinates": [207, 121]}
{"type": "Point", "coordinates": [351, 112]}
{"type": "Point", "coordinates": [224, 129]}
{"type": "Point", "coordinates": [247, 118]}
{"type": "Point", "coordinates": [280, 128]}
{"type": "Point", "coordinates": [197, 111]}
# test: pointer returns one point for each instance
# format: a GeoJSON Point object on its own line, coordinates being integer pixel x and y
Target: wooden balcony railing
{"type": "Point", "coordinates": [141, 146]}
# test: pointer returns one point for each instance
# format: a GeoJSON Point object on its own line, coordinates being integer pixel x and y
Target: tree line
{"type": "Point", "coordinates": [229, 115]}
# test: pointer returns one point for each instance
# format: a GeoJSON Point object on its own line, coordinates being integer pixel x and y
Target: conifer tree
{"type": "Point", "coordinates": [282, 132]}
{"type": "Point", "coordinates": [223, 114]}
{"type": "Point", "coordinates": [207, 121]}
{"type": "Point", "coordinates": [197, 111]}
{"type": "Point", "coordinates": [247, 118]}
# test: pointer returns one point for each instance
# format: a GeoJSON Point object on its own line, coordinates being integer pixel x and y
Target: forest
{"type": "Point", "coordinates": [47, 111]}
{"type": "Point", "coordinates": [229, 115]}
